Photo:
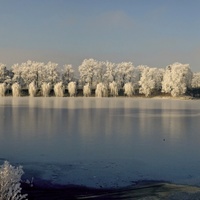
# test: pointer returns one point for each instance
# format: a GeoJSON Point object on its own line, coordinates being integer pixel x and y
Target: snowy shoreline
{"type": "Point", "coordinates": [100, 174]}
{"type": "Point", "coordinates": [141, 189]}
{"type": "Point", "coordinates": [185, 97]}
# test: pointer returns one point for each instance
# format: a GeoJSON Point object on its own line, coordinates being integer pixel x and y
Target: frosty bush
{"type": "Point", "coordinates": [86, 90]}
{"type": "Point", "coordinates": [46, 88]}
{"type": "Point", "coordinates": [16, 90]}
{"type": "Point", "coordinates": [32, 89]}
{"type": "Point", "coordinates": [10, 178]}
{"type": "Point", "coordinates": [59, 89]}
{"type": "Point", "coordinates": [113, 89]}
{"type": "Point", "coordinates": [72, 89]}
{"type": "Point", "coordinates": [129, 89]}
{"type": "Point", "coordinates": [101, 90]}
{"type": "Point", "coordinates": [2, 89]}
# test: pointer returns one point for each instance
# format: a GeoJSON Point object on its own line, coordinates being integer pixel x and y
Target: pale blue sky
{"type": "Point", "coordinates": [151, 32]}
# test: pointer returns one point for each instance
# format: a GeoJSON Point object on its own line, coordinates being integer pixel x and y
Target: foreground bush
{"type": "Point", "coordinates": [10, 186]}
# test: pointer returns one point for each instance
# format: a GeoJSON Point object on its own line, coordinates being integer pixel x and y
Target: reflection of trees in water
{"type": "Point", "coordinates": [168, 117]}
{"type": "Point", "coordinates": [90, 120]}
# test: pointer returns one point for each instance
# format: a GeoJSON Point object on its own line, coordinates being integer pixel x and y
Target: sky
{"type": "Point", "coordinates": [156, 33]}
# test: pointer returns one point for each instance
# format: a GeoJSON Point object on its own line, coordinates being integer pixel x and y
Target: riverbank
{"type": "Point", "coordinates": [79, 93]}
{"type": "Point", "coordinates": [139, 190]}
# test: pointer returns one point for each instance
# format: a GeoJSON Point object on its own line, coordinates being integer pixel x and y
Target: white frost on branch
{"type": "Point", "coordinates": [32, 89]}
{"type": "Point", "coordinates": [87, 90]}
{"type": "Point", "coordinates": [67, 74]}
{"type": "Point", "coordinates": [101, 90]}
{"type": "Point", "coordinates": [196, 80]}
{"type": "Point", "coordinates": [110, 72]}
{"type": "Point", "coordinates": [113, 89]}
{"type": "Point", "coordinates": [39, 72]}
{"type": "Point", "coordinates": [88, 71]}
{"type": "Point", "coordinates": [45, 89]}
{"type": "Point", "coordinates": [72, 89]}
{"type": "Point", "coordinates": [2, 89]}
{"type": "Point", "coordinates": [16, 90]}
{"type": "Point", "coordinates": [10, 186]}
{"type": "Point", "coordinates": [59, 89]}
{"type": "Point", "coordinates": [27, 72]}
{"type": "Point", "coordinates": [150, 81]}
{"type": "Point", "coordinates": [129, 89]}
{"type": "Point", "coordinates": [124, 73]}
{"type": "Point", "coordinates": [5, 75]}
{"type": "Point", "coordinates": [177, 78]}
{"type": "Point", "coordinates": [100, 70]}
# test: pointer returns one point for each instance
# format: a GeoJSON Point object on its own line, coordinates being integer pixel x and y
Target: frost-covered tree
{"type": "Point", "coordinates": [45, 89]}
{"type": "Point", "coordinates": [39, 72]}
{"type": "Point", "coordinates": [110, 72]}
{"type": "Point", "coordinates": [32, 89]}
{"type": "Point", "coordinates": [100, 72]}
{"type": "Point", "coordinates": [124, 73]}
{"type": "Point", "coordinates": [129, 89]}
{"type": "Point", "coordinates": [16, 90]}
{"type": "Point", "coordinates": [196, 80]}
{"type": "Point", "coordinates": [88, 71]}
{"type": "Point", "coordinates": [177, 78]}
{"type": "Point", "coordinates": [150, 81]}
{"type": "Point", "coordinates": [113, 89]}
{"type": "Point", "coordinates": [27, 72]}
{"type": "Point", "coordinates": [49, 73]}
{"type": "Point", "coordinates": [67, 74]}
{"type": "Point", "coordinates": [3, 72]}
{"type": "Point", "coordinates": [72, 89]}
{"type": "Point", "coordinates": [8, 78]}
{"type": "Point", "coordinates": [17, 70]}
{"type": "Point", "coordinates": [59, 89]}
{"type": "Point", "coordinates": [3, 89]}
{"type": "Point", "coordinates": [137, 76]}
{"type": "Point", "coordinates": [101, 90]}
{"type": "Point", "coordinates": [87, 90]}
{"type": "Point", "coordinates": [10, 186]}
{"type": "Point", "coordinates": [31, 71]}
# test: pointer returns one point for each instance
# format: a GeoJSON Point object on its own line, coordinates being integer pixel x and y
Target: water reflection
{"type": "Point", "coordinates": [161, 133]}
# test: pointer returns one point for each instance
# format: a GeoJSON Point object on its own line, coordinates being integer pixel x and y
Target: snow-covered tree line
{"type": "Point", "coordinates": [106, 78]}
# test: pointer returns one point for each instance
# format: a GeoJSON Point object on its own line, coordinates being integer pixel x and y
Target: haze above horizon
{"type": "Point", "coordinates": [154, 33]}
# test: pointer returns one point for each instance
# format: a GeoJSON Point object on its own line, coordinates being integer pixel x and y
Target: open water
{"type": "Point", "coordinates": [102, 142]}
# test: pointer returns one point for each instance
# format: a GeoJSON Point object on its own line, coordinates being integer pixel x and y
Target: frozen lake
{"type": "Point", "coordinates": [102, 142]}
